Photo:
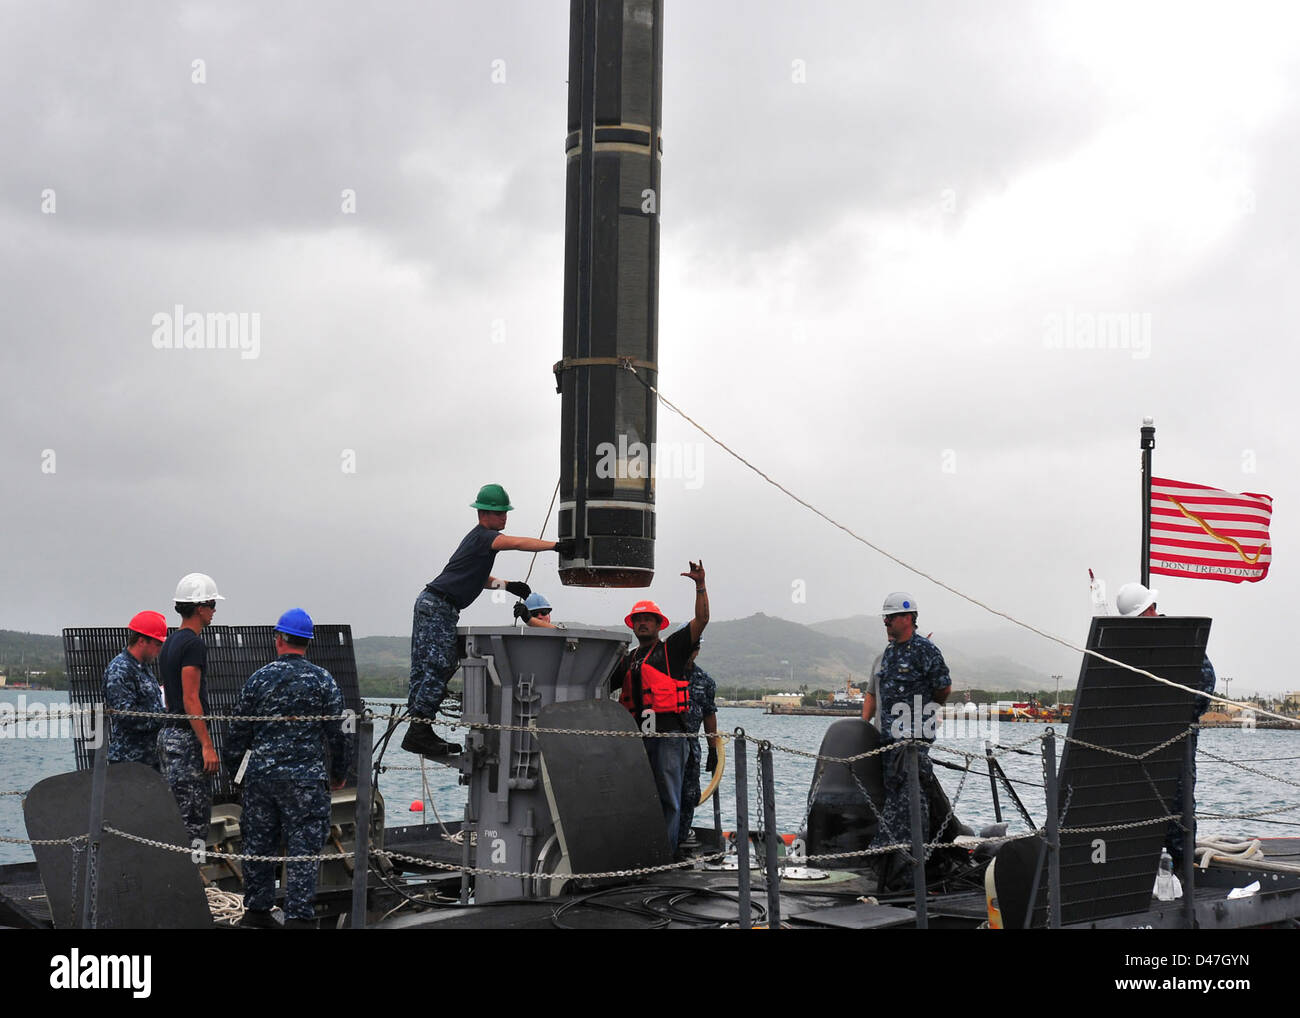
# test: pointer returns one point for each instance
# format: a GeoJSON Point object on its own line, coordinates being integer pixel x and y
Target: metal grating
{"type": "Point", "coordinates": [234, 653]}
{"type": "Point", "coordinates": [1119, 710]}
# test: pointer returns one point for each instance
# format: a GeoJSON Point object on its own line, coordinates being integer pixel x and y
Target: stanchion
{"type": "Point", "coordinates": [98, 785]}
{"type": "Point", "coordinates": [1053, 832]}
{"type": "Point", "coordinates": [742, 828]}
{"type": "Point", "coordinates": [993, 780]}
{"type": "Point", "coordinates": [773, 836]}
{"type": "Point", "coordinates": [466, 835]}
{"type": "Point", "coordinates": [1189, 830]}
{"type": "Point", "coordinates": [918, 839]}
{"type": "Point", "coordinates": [361, 823]}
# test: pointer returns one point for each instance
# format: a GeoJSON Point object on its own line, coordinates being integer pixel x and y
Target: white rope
{"type": "Point", "coordinates": [226, 907]}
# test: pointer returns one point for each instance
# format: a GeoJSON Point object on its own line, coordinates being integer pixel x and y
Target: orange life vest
{"type": "Point", "coordinates": [660, 692]}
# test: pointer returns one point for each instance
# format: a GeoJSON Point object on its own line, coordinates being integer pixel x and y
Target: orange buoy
{"type": "Point", "coordinates": [417, 806]}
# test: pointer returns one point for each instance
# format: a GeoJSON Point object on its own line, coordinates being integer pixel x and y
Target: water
{"type": "Point", "coordinates": [1221, 788]}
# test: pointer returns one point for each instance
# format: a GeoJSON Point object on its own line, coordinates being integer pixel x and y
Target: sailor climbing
{"type": "Point", "coordinates": [467, 574]}
{"type": "Point", "coordinates": [130, 686]}
{"type": "Point", "coordinates": [653, 686]}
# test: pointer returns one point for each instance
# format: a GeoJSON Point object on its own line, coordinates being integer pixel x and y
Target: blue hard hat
{"type": "Point", "coordinates": [296, 622]}
{"type": "Point", "coordinates": [536, 602]}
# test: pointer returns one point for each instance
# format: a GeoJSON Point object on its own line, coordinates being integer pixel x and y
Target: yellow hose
{"type": "Point", "coordinates": [717, 774]}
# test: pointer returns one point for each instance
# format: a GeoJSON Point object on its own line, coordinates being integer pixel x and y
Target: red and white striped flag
{"type": "Point", "coordinates": [1208, 534]}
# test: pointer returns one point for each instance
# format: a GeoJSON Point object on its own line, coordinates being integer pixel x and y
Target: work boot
{"type": "Point", "coordinates": [257, 919]}
{"type": "Point", "coordinates": [422, 740]}
{"type": "Point", "coordinates": [302, 924]}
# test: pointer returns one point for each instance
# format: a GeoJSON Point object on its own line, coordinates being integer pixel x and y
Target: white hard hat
{"type": "Point", "coordinates": [1133, 599]}
{"type": "Point", "coordinates": [195, 588]}
{"type": "Point", "coordinates": [897, 603]}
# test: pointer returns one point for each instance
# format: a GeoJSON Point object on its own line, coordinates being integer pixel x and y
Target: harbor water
{"type": "Point", "coordinates": [30, 752]}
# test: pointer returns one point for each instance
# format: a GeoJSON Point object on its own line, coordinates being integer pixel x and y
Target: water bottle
{"type": "Point", "coordinates": [1165, 876]}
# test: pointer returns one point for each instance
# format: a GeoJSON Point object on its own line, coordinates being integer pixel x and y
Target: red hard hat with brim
{"type": "Point", "coordinates": [150, 624]}
{"type": "Point", "coordinates": [647, 608]}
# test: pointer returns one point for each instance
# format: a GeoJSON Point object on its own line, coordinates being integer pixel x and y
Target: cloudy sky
{"type": "Point", "coordinates": [876, 219]}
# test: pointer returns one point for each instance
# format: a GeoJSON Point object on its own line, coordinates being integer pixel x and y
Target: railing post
{"type": "Point", "coordinates": [742, 828]}
{"type": "Point", "coordinates": [361, 822]}
{"type": "Point", "coordinates": [98, 785]}
{"type": "Point", "coordinates": [918, 840]}
{"type": "Point", "coordinates": [466, 833]}
{"type": "Point", "coordinates": [1189, 829]}
{"type": "Point", "coordinates": [719, 842]}
{"type": "Point", "coordinates": [1053, 831]}
{"type": "Point", "coordinates": [773, 835]}
{"type": "Point", "coordinates": [993, 780]}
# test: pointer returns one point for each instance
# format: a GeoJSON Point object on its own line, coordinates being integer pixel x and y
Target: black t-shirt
{"type": "Point", "coordinates": [183, 649]}
{"type": "Point", "coordinates": [469, 567]}
{"type": "Point", "coordinates": [671, 656]}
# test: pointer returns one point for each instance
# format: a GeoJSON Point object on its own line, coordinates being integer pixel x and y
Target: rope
{"type": "Point", "coordinates": [226, 907]}
{"type": "Point", "coordinates": [545, 524]}
{"type": "Point", "coordinates": [627, 365]}
{"type": "Point", "coordinates": [1209, 849]}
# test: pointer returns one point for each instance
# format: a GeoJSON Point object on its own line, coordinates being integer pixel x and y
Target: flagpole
{"type": "Point", "coordinates": [1148, 443]}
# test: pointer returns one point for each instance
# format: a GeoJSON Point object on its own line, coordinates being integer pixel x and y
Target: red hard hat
{"type": "Point", "coordinates": [647, 608]}
{"type": "Point", "coordinates": [150, 624]}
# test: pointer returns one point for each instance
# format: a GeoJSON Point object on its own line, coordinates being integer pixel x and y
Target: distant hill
{"type": "Point", "coordinates": [1010, 658]}
{"type": "Point", "coordinates": [21, 653]}
{"type": "Point", "coordinates": [739, 652]}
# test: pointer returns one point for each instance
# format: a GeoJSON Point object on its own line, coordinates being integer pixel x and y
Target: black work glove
{"type": "Point", "coordinates": [566, 548]}
{"type": "Point", "coordinates": [711, 763]}
{"type": "Point", "coordinates": [521, 611]}
{"type": "Point", "coordinates": [518, 588]}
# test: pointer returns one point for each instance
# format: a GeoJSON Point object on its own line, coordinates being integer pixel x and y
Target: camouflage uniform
{"type": "Point", "coordinates": [702, 692]}
{"type": "Point", "coordinates": [128, 685]}
{"type": "Point", "coordinates": [911, 675]}
{"type": "Point", "coordinates": [286, 784]}
{"type": "Point", "coordinates": [434, 657]}
{"type": "Point", "coordinates": [180, 759]}
{"type": "Point", "coordinates": [1174, 834]}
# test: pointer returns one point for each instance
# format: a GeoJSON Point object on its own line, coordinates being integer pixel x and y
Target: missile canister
{"type": "Point", "coordinates": [611, 292]}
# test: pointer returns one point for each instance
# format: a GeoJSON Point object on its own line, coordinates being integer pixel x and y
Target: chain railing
{"type": "Point", "coordinates": [774, 872]}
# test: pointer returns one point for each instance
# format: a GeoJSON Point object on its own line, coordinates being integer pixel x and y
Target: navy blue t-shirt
{"type": "Point", "coordinates": [183, 649]}
{"type": "Point", "coordinates": [469, 567]}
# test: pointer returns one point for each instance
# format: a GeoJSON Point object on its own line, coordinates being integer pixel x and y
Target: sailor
{"type": "Point", "coordinates": [130, 686]}
{"type": "Point", "coordinates": [913, 681]}
{"type": "Point", "coordinates": [1133, 600]}
{"type": "Point", "coordinates": [535, 611]}
{"type": "Point", "coordinates": [652, 685]}
{"type": "Point", "coordinates": [186, 754]}
{"type": "Point", "coordinates": [434, 658]}
{"type": "Point", "coordinates": [702, 709]}
{"type": "Point", "coordinates": [289, 774]}
{"type": "Point", "coordinates": [872, 693]}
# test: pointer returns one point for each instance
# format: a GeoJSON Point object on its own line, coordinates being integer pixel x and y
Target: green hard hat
{"type": "Point", "coordinates": [492, 498]}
